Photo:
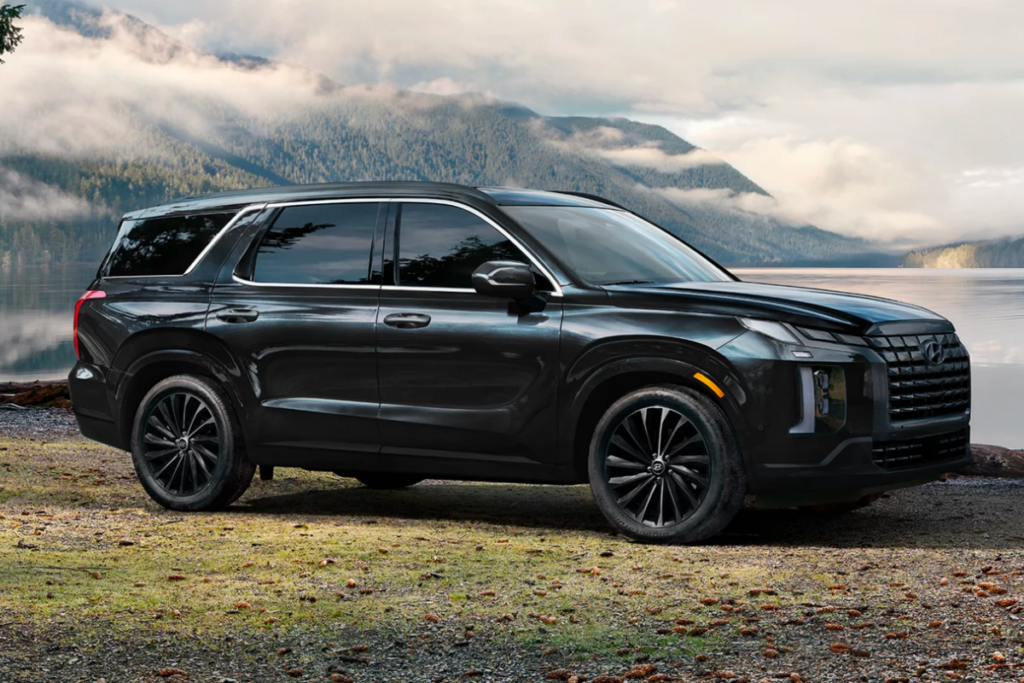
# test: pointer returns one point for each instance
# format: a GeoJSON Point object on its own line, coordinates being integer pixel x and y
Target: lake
{"type": "Point", "coordinates": [987, 307]}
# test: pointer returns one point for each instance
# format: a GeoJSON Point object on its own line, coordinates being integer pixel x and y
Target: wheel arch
{"type": "Point", "coordinates": [153, 355]}
{"type": "Point", "coordinates": [609, 370]}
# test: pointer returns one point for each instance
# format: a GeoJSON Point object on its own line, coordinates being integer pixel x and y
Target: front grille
{"type": "Point", "coordinates": [933, 449]}
{"type": "Point", "coordinates": [919, 390]}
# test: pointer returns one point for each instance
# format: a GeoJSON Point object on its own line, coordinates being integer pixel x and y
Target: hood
{"type": "Point", "coordinates": [818, 308]}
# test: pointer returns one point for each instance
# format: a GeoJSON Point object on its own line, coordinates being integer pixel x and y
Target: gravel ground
{"type": "Point", "coordinates": [481, 582]}
{"type": "Point", "coordinates": [19, 423]}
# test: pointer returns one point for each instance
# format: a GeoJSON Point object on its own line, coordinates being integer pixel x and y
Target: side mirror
{"type": "Point", "coordinates": [506, 279]}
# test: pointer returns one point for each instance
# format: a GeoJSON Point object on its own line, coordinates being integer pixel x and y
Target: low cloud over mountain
{"type": "Point", "coordinates": [107, 109]}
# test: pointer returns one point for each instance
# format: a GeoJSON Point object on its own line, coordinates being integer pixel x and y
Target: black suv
{"type": "Point", "coordinates": [396, 331]}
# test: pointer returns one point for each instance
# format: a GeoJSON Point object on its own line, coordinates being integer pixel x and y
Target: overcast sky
{"type": "Point", "coordinates": [891, 119]}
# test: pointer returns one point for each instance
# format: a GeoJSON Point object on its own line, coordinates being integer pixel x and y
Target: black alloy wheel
{"type": "Point", "coordinates": [187, 445]}
{"type": "Point", "coordinates": [658, 466]}
{"type": "Point", "coordinates": [181, 443]}
{"type": "Point", "coordinates": [665, 466]}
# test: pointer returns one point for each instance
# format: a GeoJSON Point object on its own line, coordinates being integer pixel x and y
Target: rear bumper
{"type": "Point", "coordinates": [87, 385]}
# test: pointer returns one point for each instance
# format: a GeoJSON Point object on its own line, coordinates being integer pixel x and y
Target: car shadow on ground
{"type": "Point", "coordinates": [965, 514]}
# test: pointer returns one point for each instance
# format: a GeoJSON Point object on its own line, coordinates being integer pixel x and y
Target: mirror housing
{"type": "Point", "coordinates": [506, 279]}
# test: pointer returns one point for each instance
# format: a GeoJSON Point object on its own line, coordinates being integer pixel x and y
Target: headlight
{"type": "Point", "coordinates": [770, 328]}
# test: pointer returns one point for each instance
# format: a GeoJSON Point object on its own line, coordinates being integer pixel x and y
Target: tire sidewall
{"type": "Point", "coordinates": [211, 493]}
{"type": "Point", "coordinates": [726, 484]}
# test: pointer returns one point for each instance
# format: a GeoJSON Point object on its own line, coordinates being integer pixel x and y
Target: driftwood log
{"type": "Point", "coordinates": [35, 394]}
{"type": "Point", "coordinates": [989, 461]}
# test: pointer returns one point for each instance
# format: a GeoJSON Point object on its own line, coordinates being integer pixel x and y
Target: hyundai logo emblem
{"type": "Point", "coordinates": [933, 352]}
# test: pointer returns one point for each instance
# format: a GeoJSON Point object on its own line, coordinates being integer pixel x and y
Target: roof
{"type": "Point", "coordinates": [501, 196]}
{"type": "Point", "coordinates": [514, 196]}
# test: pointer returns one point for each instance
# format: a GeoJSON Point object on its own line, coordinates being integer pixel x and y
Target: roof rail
{"type": "Point", "coordinates": [593, 197]}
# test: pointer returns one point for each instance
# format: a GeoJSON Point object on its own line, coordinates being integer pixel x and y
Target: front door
{"type": "Point", "coordinates": [299, 313]}
{"type": "Point", "coordinates": [468, 383]}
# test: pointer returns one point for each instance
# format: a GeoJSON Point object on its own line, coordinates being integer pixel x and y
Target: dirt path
{"type": "Point", "coordinates": [450, 581]}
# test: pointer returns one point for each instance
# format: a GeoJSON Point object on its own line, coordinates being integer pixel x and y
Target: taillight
{"type": "Point", "coordinates": [90, 294]}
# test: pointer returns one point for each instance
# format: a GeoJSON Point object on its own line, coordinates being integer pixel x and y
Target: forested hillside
{"type": "Point", "coordinates": [344, 134]}
{"type": "Point", "coordinates": [1002, 253]}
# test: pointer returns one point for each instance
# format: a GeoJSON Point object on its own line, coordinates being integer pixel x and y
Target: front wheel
{"type": "Point", "coordinates": [665, 466]}
{"type": "Point", "coordinates": [187, 446]}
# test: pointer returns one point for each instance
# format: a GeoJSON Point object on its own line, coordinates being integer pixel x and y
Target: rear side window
{"type": "Point", "coordinates": [441, 246]}
{"type": "Point", "coordinates": [162, 246]}
{"type": "Point", "coordinates": [322, 244]}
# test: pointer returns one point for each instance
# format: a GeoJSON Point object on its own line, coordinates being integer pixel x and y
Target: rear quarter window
{"type": "Point", "coordinates": [162, 246]}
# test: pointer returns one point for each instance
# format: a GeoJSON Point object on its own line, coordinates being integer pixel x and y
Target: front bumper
{"type": "Point", "coordinates": [861, 466]}
{"type": "Point", "coordinates": [870, 452]}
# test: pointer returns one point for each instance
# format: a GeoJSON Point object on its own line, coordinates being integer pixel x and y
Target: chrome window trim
{"type": "Point", "coordinates": [407, 288]}
{"type": "Point", "coordinates": [545, 271]}
{"type": "Point", "coordinates": [511, 238]}
{"type": "Point", "coordinates": [223, 231]}
{"type": "Point", "coordinates": [198, 259]}
{"type": "Point", "coordinates": [251, 283]}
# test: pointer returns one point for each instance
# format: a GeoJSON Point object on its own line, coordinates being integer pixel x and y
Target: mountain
{"type": "Point", "coordinates": [264, 123]}
{"type": "Point", "coordinates": [1001, 253]}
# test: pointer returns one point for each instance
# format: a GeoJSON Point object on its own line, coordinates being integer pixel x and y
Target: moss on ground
{"type": "Point", "coordinates": [527, 567]}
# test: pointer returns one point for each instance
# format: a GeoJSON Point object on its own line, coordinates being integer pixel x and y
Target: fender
{"type": "Point", "coordinates": [674, 358]}
{"type": "Point", "coordinates": [177, 348]}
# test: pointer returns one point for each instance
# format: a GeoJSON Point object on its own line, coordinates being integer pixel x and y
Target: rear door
{"type": "Point", "coordinates": [468, 382]}
{"type": "Point", "coordinates": [298, 311]}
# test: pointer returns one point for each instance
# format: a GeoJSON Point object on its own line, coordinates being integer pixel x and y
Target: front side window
{"type": "Point", "coordinates": [441, 246]}
{"type": "Point", "coordinates": [162, 246]}
{"type": "Point", "coordinates": [320, 244]}
{"type": "Point", "coordinates": [609, 246]}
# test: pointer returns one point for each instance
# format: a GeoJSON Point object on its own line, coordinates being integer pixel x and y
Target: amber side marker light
{"type": "Point", "coordinates": [709, 384]}
{"type": "Point", "coordinates": [90, 294]}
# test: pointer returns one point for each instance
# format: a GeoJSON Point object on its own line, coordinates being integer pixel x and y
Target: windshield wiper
{"type": "Point", "coordinates": [630, 282]}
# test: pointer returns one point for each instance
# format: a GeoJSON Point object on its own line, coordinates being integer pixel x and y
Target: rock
{"type": "Point", "coordinates": [995, 461]}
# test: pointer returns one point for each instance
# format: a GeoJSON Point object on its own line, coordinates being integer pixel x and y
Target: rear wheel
{"type": "Point", "coordinates": [187, 446]}
{"type": "Point", "coordinates": [385, 480]}
{"type": "Point", "coordinates": [665, 466]}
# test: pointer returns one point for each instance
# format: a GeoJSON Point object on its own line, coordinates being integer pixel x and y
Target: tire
{"type": "Point", "coordinates": [187, 422]}
{"type": "Point", "coordinates": [387, 481]}
{"type": "Point", "coordinates": [694, 493]}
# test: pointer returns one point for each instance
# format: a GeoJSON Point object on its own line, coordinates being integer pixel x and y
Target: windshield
{"type": "Point", "coordinates": [608, 246]}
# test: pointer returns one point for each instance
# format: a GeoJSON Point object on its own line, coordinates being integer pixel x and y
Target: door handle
{"type": "Point", "coordinates": [238, 315]}
{"type": "Point", "coordinates": [407, 321]}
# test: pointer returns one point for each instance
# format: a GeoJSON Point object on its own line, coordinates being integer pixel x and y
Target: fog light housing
{"type": "Point", "coordinates": [822, 400]}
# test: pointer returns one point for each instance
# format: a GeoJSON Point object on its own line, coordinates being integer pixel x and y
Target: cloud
{"type": "Point", "coordinates": [23, 198]}
{"type": "Point", "coordinates": [839, 185]}
{"type": "Point", "coordinates": [74, 96]}
{"type": "Point", "coordinates": [446, 87]}
{"type": "Point", "coordinates": [864, 116]}
{"type": "Point", "coordinates": [653, 157]}
{"type": "Point", "coordinates": [930, 87]}
{"type": "Point", "coordinates": [616, 147]}
{"type": "Point", "coordinates": [845, 186]}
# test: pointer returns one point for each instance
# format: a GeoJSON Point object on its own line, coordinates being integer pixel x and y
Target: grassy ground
{"type": "Point", "coordinates": [311, 576]}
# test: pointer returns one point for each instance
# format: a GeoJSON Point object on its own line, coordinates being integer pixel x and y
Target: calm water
{"type": "Point", "coordinates": [987, 307]}
{"type": "Point", "coordinates": [37, 307]}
